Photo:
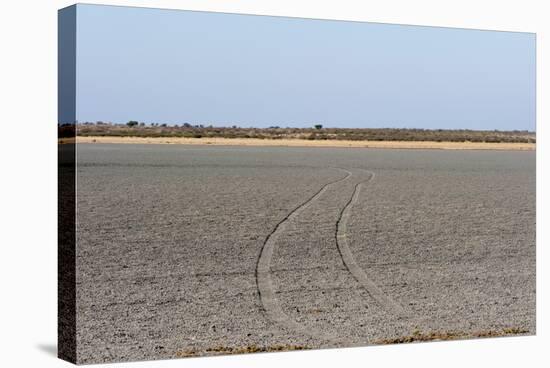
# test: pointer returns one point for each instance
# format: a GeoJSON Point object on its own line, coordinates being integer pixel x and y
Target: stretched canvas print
{"type": "Point", "coordinates": [237, 184]}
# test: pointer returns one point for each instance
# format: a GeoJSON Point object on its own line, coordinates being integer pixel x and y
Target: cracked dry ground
{"type": "Point", "coordinates": [439, 242]}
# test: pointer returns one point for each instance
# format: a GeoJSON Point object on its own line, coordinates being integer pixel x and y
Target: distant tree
{"type": "Point", "coordinates": [187, 125]}
{"type": "Point", "coordinates": [132, 123]}
{"type": "Point", "coordinates": [163, 125]}
{"type": "Point", "coordinates": [318, 126]}
{"type": "Point", "coordinates": [141, 124]}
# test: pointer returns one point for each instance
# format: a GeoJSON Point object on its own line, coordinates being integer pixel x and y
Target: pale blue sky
{"type": "Point", "coordinates": [172, 67]}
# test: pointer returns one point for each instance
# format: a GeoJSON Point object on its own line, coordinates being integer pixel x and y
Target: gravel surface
{"type": "Point", "coordinates": [201, 250]}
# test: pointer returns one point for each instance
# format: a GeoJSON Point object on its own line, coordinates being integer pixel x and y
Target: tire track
{"type": "Point", "coordinates": [349, 260]}
{"type": "Point", "coordinates": [264, 282]}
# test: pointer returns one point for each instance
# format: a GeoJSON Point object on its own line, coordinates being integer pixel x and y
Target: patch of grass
{"type": "Point", "coordinates": [223, 350]}
{"type": "Point", "coordinates": [419, 336]}
{"type": "Point", "coordinates": [186, 353]}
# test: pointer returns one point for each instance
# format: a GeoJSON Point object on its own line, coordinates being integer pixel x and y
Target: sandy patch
{"type": "Point", "coordinates": [311, 143]}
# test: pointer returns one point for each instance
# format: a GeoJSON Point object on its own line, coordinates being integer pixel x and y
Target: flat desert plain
{"type": "Point", "coordinates": [201, 250]}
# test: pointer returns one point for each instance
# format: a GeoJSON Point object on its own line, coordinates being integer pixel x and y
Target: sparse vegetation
{"type": "Point", "coordinates": [415, 336]}
{"type": "Point", "coordinates": [419, 336]}
{"type": "Point", "coordinates": [221, 350]}
{"type": "Point", "coordinates": [187, 130]}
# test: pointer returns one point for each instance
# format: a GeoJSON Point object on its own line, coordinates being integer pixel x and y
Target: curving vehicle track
{"type": "Point", "coordinates": [349, 260]}
{"type": "Point", "coordinates": [266, 289]}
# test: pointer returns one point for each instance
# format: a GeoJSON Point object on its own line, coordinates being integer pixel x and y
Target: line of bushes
{"type": "Point", "coordinates": [136, 129]}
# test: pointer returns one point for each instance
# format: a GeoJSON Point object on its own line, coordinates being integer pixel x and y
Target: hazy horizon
{"type": "Point", "coordinates": [173, 67]}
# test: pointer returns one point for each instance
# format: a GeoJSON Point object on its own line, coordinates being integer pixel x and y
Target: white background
{"type": "Point", "coordinates": [28, 220]}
